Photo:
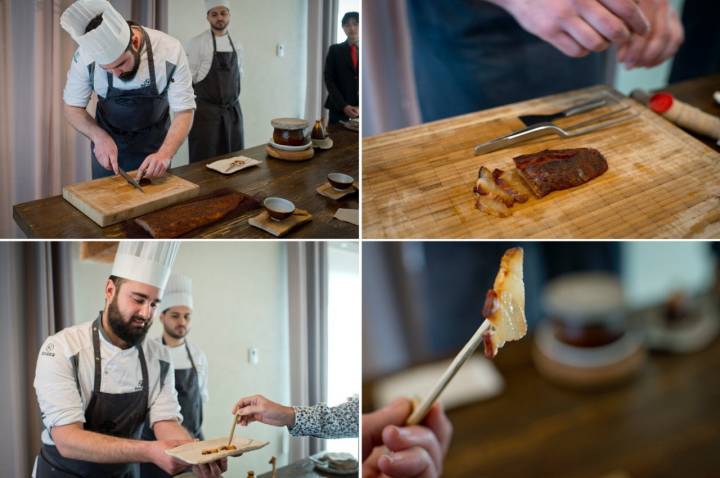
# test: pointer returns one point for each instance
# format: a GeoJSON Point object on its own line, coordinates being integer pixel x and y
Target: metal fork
{"type": "Point", "coordinates": [596, 123]}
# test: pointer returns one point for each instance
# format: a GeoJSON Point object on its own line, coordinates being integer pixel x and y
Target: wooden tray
{"type": "Point", "coordinates": [303, 155]}
{"type": "Point", "coordinates": [661, 182]}
{"type": "Point", "coordinates": [111, 200]}
{"type": "Point", "coordinates": [191, 453]}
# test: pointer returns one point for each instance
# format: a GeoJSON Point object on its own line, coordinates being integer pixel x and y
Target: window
{"type": "Point", "coordinates": [344, 331]}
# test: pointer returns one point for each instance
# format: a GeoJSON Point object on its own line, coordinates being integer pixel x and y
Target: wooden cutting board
{"type": "Point", "coordinates": [112, 199]}
{"type": "Point", "coordinates": [661, 182]}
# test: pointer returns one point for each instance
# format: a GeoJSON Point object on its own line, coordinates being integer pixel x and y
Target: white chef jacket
{"type": "Point", "coordinates": [57, 390]}
{"type": "Point", "coordinates": [167, 51]}
{"type": "Point", "coordinates": [180, 361]}
{"type": "Point", "coordinates": [200, 53]}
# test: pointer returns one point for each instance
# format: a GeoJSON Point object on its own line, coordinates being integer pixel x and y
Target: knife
{"type": "Point", "coordinates": [130, 180]}
{"type": "Point", "coordinates": [530, 120]}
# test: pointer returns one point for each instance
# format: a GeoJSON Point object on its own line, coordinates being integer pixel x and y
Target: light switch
{"type": "Point", "coordinates": [253, 356]}
{"type": "Point", "coordinates": [280, 50]}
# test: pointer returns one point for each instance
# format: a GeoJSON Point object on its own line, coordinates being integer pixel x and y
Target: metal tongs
{"type": "Point", "coordinates": [606, 120]}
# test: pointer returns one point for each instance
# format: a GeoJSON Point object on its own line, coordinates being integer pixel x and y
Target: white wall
{"type": "Point", "coordinates": [240, 294]}
{"type": "Point", "coordinates": [272, 86]}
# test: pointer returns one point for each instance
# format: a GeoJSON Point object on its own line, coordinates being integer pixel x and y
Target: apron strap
{"type": "Point", "coordinates": [143, 367]}
{"type": "Point", "coordinates": [213, 39]}
{"type": "Point", "coordinates": [96, 354]}
{"type": "Point", "coordinates": [91, 71]}
{"type": "Point", "coordinates": [232, 44]}
{"type": "Point", "coordinates": [192, 362]}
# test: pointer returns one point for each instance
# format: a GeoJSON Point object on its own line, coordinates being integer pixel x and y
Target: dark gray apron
{"type": "Point", "coordinates": [470, 55]}
{"type": "Point", "coordinates": [218, 124]}
{"type": "Point", "coordinates": [117, 414]}
{"type": "Point", "coordinates": [137, 120]}
{"type": "Point", "coordinates": [187, 384]}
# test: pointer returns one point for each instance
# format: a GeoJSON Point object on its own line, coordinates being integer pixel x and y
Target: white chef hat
{"type": "Point", "coordinates": [105, 43]}
{"type": "Point", "coordinates": [210, 4]}
{"type": "Point", "coordinates": [178, 291]}
{"type": "Point", "coordinates": [149, 262]}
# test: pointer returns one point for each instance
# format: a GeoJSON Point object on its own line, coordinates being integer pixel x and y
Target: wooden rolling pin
{"type": "Point", "coordinates": [682, 114]}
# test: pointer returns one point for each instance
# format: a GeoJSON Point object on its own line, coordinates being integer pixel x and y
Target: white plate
{"type": "Point", "coordinates": [325, 465]}
{"type": "Point", "coordinates": [290, 148]}
{"type": "Point", "coordinates": [191, 453]}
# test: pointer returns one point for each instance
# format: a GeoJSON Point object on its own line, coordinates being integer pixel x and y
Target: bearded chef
{"type": "Point", "coordinates": [139, 76]}
{"type": "Point", "coordinates": [98, 382]}
{"type": "Point", "coordinates": [216, 66]}
{"type": "Point", "coordinates": [189, 362]}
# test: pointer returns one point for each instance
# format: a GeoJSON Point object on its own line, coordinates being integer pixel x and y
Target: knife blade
{"type": "Point", "coordinates": [595, 103]}
{"type": "Point", "coordinates": [130, 180]}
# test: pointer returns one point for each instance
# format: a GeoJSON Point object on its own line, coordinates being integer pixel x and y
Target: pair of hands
{"type": "Point", "coordinates": [173, 466]}
{"type": "Point", "coordinates": [392, 450]}
{"type": "Point", "coordinates": [106, 153]}
{"type": "Point", "coordinates": [647, 32]}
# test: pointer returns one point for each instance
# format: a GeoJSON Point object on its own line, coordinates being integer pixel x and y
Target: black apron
{"type": "Point", "coordinates": [116, 414]}
{"type": "Point", "coordinates": [187, 384]}
{"type": "Point", "coordinates": [218, 124]}
{"type": "Point", "coordinates": [137, 120]}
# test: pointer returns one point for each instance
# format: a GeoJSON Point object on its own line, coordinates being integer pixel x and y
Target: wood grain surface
{"type": "Point", "coordinates": [661, 182]}
{"type": "Point", "coordinates": [54, 217]}
{"type": "Point", "coordinates": [112, 199]}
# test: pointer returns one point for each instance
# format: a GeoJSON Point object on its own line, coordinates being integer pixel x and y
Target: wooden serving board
{"type": "Point", "coordinates": [661, 182]}
{"type": "Point", "coordinates": [112, 199]}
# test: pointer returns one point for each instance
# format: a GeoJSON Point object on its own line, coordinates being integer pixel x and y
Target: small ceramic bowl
{"type": "Point", "coordinates": [278, 208]}
{"type": "Point", "coordinates": [340, 181]}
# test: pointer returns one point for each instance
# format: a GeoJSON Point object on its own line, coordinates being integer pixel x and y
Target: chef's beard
{"type": "Point", "coordinates": [219, 26]}
{"type": "Point", "coordinates": [129, 75]}
{"type": "Point", "coordinates": [127, 333]}
{"type": "Point", "coordinates": [171, 332]}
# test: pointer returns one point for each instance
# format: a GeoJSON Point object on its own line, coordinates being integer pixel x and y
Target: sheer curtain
{"type": "Point", "coordinates": [322, 25]}
{"type": "Point", "coordinates": [307, 299]}
{"type": "Point", "coordinates": [39, 151]}
{"type": "Point", "coordinates": [389, 99]}
{"type": "Point", "coordinates": [35, 302]}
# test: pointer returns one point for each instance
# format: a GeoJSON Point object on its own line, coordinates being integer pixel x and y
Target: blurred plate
{"type": "Point", "coordinates": [324, 461]}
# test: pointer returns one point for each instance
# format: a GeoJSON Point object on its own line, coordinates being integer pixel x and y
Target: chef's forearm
{"type": "Point", "coordinates": [83, 122]}
{"type": "Point", "coordinates": [179, 130]}
{"type": "Point", "coordinates": [170, 430]}
{"type": "Point", "coordinates": [74, 442]}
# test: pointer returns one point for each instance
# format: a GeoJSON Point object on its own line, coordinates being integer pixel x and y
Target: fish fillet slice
{"type": "Point", "coordinates": [505, 304]}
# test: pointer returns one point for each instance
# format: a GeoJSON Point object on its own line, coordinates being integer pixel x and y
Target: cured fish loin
{"type": "Point", "coordinates": [553, 170]}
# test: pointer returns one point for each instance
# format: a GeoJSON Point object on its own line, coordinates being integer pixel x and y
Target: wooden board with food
{"type": "Point", "coordinates": [643, 178]}
{"type": "Point", "coordinates": [199, 452]}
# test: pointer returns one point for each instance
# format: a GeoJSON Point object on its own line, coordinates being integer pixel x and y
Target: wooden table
{"type": "Point", "coordinates": [665, 423]}
{"type": "Point", "coordinates": [301, 469]}
{"type": "Point", "coordinates": [661, 182]}
{"type": "Point", "coordinates": [53, 217]}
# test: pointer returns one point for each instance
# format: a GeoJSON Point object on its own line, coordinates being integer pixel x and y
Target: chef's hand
{"type": "Point", "coordinates": [259, 409]}
{"type": "Point", "coordinates": [577, 27]}
{"type": "Point", "coordinates": [164, 461]}
{"type": "Point", "coordinates": [106, 151]}
{"type": "Point", "coordinates": [154, 166]}
{"type": "Point", "coordinates": [351, 111]}
{"type": "Point", "coordinates": [666, 36]}
{"type": "Point", "coordinates": [391, 449]}
{"type": "Point", "coordinates": [211, 470]}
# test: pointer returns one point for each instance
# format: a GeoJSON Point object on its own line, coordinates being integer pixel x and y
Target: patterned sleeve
{"type": "Point", "coordinates": [322, 421]}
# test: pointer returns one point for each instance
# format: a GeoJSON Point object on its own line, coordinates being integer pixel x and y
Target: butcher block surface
{"type": "Point", "coordinates": [661, 182]}
{"type": "Point", "coordinates": [112, 200]}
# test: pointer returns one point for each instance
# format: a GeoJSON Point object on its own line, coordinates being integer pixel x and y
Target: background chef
{"type": "Point", "coordinates": [139, 75]}
{"type": "Point", "coordinates": [189, 362]}
{"type": "Point", "coordinates": [98, 382]}
{"type": "Point", "coordinates": [216, 66]}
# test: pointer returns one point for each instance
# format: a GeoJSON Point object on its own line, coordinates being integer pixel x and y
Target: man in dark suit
{"type": "Point", "coordinates": [341, 72]}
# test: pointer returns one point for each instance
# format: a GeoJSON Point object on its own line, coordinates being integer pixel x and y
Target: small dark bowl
{"type": "Point", "coordinates": [340, 181]}
{"type": "Point", "coordinates": [278, 208]}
